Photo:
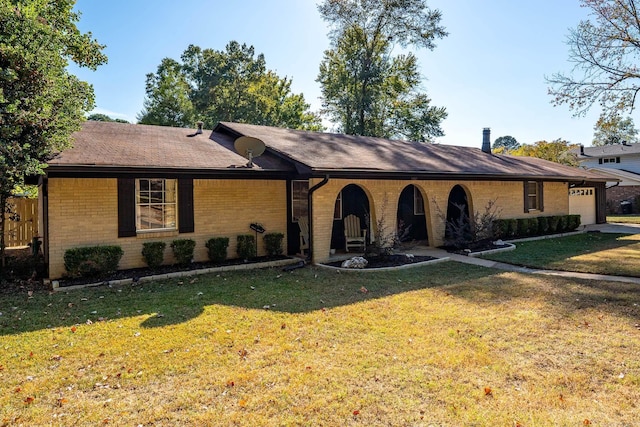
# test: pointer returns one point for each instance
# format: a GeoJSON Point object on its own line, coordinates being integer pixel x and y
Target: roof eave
{"type": "Point", "coordinates": [431, 175]}
{"type": "Point", "coordinates": [102, 171]}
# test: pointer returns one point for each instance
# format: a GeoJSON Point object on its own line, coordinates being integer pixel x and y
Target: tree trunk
{"type": "Point", "coordinates": [3, 223]}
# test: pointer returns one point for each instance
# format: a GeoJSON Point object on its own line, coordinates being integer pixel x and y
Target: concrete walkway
{"type": "Point", "coordinates": [603, 228]}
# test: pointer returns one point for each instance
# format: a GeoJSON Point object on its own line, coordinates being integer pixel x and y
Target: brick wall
{"type": "Point", "coordinates": [84, 212]}
{"type": "Point", "coordinates": [384, 195]}
{"type": "Point", "coordinates": [618, 194]}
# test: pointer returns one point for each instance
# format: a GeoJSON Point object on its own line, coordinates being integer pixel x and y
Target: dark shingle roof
{"type": "Point", "coordinates": [133, 145]}
{"type": "Point", "coordinates": [326, 152]}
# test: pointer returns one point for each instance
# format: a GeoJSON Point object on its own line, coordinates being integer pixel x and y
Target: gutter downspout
{"type": "Point", "coordinates": [312, 190]}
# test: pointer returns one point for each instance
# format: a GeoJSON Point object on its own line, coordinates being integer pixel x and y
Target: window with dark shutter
{"type": "Point", "coordinates": [185, 206]}
{"type": "Point", "coordinates": [126, 207]}
{"type": "Point", "coordinates": [533, 196]}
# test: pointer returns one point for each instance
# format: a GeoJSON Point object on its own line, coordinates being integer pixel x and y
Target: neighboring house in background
{"type": "Point", "coordinates": [125, 184]}
{"type": "Point", "coordinates": [621, 162]}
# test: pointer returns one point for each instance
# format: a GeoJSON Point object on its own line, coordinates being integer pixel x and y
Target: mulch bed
{"type": "Point", "coordinates": [135, 273]}
{"type": "Point", "coordinates": [479, 248]}
{"type": "Point", "coordinates": [396, 260]}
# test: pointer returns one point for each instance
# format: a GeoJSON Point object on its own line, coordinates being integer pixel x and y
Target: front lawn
{"type": "Point", "coordinates": [603, 253]}
{"type": "Point", "coordinates": [624, 219]}
{"type": "Point", "coordinates": [447, 344]}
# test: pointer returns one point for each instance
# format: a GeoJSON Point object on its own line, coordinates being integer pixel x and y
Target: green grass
{"type": "Point", "coordinates": [447, 344]}
{"type": "Point", "coordinates": [602, 253]}
{"type": "Point", "coordinates": [624, 219]}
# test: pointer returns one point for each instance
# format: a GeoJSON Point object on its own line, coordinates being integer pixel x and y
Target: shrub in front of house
{"type": "Point", "coordinates": [512, 227]}
{"type": "Point", "coordinates": [153, 253]}
{"type": "Point", "coordinates": [92, 261]}
{"type": "Point", "coordinates": [543, 225]}
{"type": "Point", "coordinates": [562, 223]}
{"type": "Point", "coordinates": [533, 226]}
{"type": "Point", "coordinates": [183, 250]}
{"type": "Point", "coordinates": [217, 248]}
{"type": "Point", "coordinates": [273, 242]}
{"type": "Point", "coordinates": [522, 227]}
{"type": "Point", "coordinates": [246, 247]}
{"type": "Point", "coordinates": [553, 224]}
{"type": "Point", "coordinates": [500, 227]}
{"type": "Point", "coordinates": [573, 222]}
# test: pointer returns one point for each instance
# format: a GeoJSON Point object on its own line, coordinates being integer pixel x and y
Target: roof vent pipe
{"type": "Point", "coordinates": [199, 131]}
{"type": "Point", "coordinates": [486, 140]}
{"type": "Point", "coordinates": [581, 150]}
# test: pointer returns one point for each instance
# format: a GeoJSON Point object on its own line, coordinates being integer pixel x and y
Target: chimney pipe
{"type": "Point", "coordinates": [581, 150]}
{"type": "Point", "coordinates": [199, 131]}
{"type": "Point", "coordinates": [486, 140]}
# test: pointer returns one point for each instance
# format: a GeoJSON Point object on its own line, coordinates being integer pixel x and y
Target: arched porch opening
{"type": "Point", "coordinates": [458, 214]}
{"type": "Point", "coordinates": [412, 222]}
{"type": "Point", "coordinates": [351, 200]}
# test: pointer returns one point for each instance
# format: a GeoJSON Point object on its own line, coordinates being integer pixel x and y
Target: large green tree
{"type": "Point", "coordinates": [614, 129]}
{"type": "Point", "coordinates": [365, 89]}
{"type": "Point", "coordinates": [41, 103]}
{"type": "Point", "coordinates": [604, 51]}
{"type": "Point", "coordinates": [230, 85]}
{"type": "Point", "coordinates": [100, 117]}
{"type": "Point", "coordinates": [506, 142]}
{"type": "Point", "coordinates": [167, 102]}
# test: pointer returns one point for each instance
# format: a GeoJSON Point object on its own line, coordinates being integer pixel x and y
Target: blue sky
{"type": "Point", "coordinates": [489, 71]}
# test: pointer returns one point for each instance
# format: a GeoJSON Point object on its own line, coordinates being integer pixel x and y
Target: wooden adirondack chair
{"type": "Point", "coordinates": [303, 223]}
{"type": "Point", "coordinates": [354, 236]}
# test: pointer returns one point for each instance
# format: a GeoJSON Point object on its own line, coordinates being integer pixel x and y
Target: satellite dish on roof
{"type": "Point", "coordinates": [249, 147]}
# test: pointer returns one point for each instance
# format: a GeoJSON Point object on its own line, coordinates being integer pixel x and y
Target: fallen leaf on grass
{"type": "Point", "coordinates": [230, 383]}
{"type": "Point", "coordinates": [29, 400]}
{"type": "Point", "coordinates": [243, 353]}
{"type": "Point", "coordinates": [242, 403]}
{"type": "Point", "coordinates": [488, 391]}
{"type": "Point", "coordinates": [17, 390]}
{"type": "Point", "coordinates": [364, 290]}
{"type": "Point", "coordinates": [74, 329]}
{"type": "Point", "coordinates": [356, 412]}
{"type": "Point", "coordinates": [586, 422]}
{"type": "Point", "coordinates": [61, 401]}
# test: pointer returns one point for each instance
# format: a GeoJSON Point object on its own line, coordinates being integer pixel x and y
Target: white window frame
{"type": "Point", "coordinates": [535, 196]}
{"type": "Point", "coordinates": [148, 198]}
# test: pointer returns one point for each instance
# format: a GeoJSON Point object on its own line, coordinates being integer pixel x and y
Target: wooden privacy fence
{"type": "Point", "coordinates": [21, 233]}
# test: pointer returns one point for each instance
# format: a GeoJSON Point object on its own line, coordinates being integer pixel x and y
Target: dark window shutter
{"type": "Point", "coordinates": [541, 196]}
{"type": "Point", "coordinates": [599, 161]}
{"type": "Point", "coordinates": [526, 196]}
{"type": "Point", "coordinates": [617, 159]}
{"type": "Point", "coordinates": [185, 205]}
{"type": "Point", "coordinates": [126, 207]}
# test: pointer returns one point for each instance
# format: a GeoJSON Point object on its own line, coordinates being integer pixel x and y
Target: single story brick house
{"type": "Point", "coordinates": [125, 184]}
